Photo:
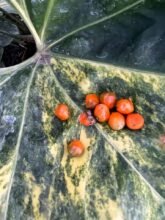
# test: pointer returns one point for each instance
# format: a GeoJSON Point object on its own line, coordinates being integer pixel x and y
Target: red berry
{"type": "Point", "coordinates": [125, 106]}
{"type": "Point", "coordinates": [116, 121]}
{"type": "Point", "coordinates": [91, 100]}
{"type": "Point", "coordinates": [109, 99]}
{"type": "Point", "coordinates": [62, 112]}
{"type": "Point", "coordinates": [102, 113]}
{"type": "Point", "coordinates": [76, 148]}
{"type": "Point", "coordinates": [86, 119]}
{"type": "Point", "coordinates": [134, 121]}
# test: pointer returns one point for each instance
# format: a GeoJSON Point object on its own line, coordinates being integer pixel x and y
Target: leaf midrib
{"type": "Point", "coordinates": [19, 139]}
{"type": "Point", "coordinates": [100, 63]}
{"type": "Point", "coordinates": [46, 20]}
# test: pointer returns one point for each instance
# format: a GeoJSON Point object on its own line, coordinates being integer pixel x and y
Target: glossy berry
{"type": "Point", "coordinates": [91, 101]}
{"type": "Point", "coordinates": [86, 119]}
{"type": "Point", "coordinates": [116, 121]}
{"type": "Point", "coordinates": [76, 148]}
{"type": "Point", "coordinates": [135, 121]}
{"type": "Point", "coordinates": [102, 113]}
{"type": "Point", "coordinates": [62, 112]}
{"type": "Point", "coordinates": [109, 99]}
{"type": "Point", "coordinates": [125, 106]}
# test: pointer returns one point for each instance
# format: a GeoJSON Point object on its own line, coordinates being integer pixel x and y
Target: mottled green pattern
{"type": "Point", "coordinates": [147, 92]}
{"type": "Point", "coordinates": [12, 95]}
{"type": "Point", "coordinates": [121, 175]}
{"type": "Point", "coordinates": [101, 184]}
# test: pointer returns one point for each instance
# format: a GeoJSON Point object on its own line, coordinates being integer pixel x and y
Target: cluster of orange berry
{"type": "Point", "coordinates": [103, 108]}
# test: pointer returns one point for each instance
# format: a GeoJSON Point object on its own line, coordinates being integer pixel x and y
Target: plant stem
{"type": "Point", "coordinates": [25, 15]}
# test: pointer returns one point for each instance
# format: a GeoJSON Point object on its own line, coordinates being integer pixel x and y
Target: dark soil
{"type": "Point", "coordinates": [19, 49]}
{"type": "Point", "coordinates": [16, 53]}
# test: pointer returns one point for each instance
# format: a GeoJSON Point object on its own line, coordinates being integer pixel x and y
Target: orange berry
{"type": "Point", "coordinates": [86, 119]}
{"type": "Point", "coordinates": [62, 112]}
{"type": "Point", "coordinates": [102, 113]}
{"type": "Point", "coordinates": [135, 121]}
{"type": "Point", "coordinates": [91, 100]}
{"type": "Point", "coordinates": [116, 121]}
{"type": "Point", "coordinates": [125, 106]}
{"type": "Point", "coordinates": [109, 99]}
{"type": "Point", "coordinates": [76, 148]}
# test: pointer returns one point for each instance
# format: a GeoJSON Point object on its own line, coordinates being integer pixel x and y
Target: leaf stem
{"type": "Point", "coordinates": [29, 24]}
{"type": "Point", "coordinates": [46, 18]}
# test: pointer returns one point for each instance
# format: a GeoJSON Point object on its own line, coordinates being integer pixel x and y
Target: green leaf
{"type": "Point", "coordinates": [135, 39]}
{"type": "Point", "coordinates": [7, 28]}
{"type": "Point", "coordinates": [121, 174]}
{"type": "Point", "coordinates": [1, 53]}
{"type": "Point", "coordinates": [7, 7]}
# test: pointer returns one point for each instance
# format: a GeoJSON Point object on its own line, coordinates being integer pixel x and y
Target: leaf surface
{"type": "Point", "coordinates": [7, 28]}
{"type": "Point", "coordinates": [121, 174]}
{"type": "Point", "coordinates": [1, 52]}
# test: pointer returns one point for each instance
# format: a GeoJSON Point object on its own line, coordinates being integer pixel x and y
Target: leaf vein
{"type": "Point", "coordinates": [110, 141]}
{"type": "Point", "coordinates": [19, 138]}
{"type": "Point", "coordinates": [95, 23]}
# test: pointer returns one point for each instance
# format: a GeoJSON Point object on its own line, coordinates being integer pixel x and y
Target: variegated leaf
{"type": "Point", "coordinates": [121, 174]}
